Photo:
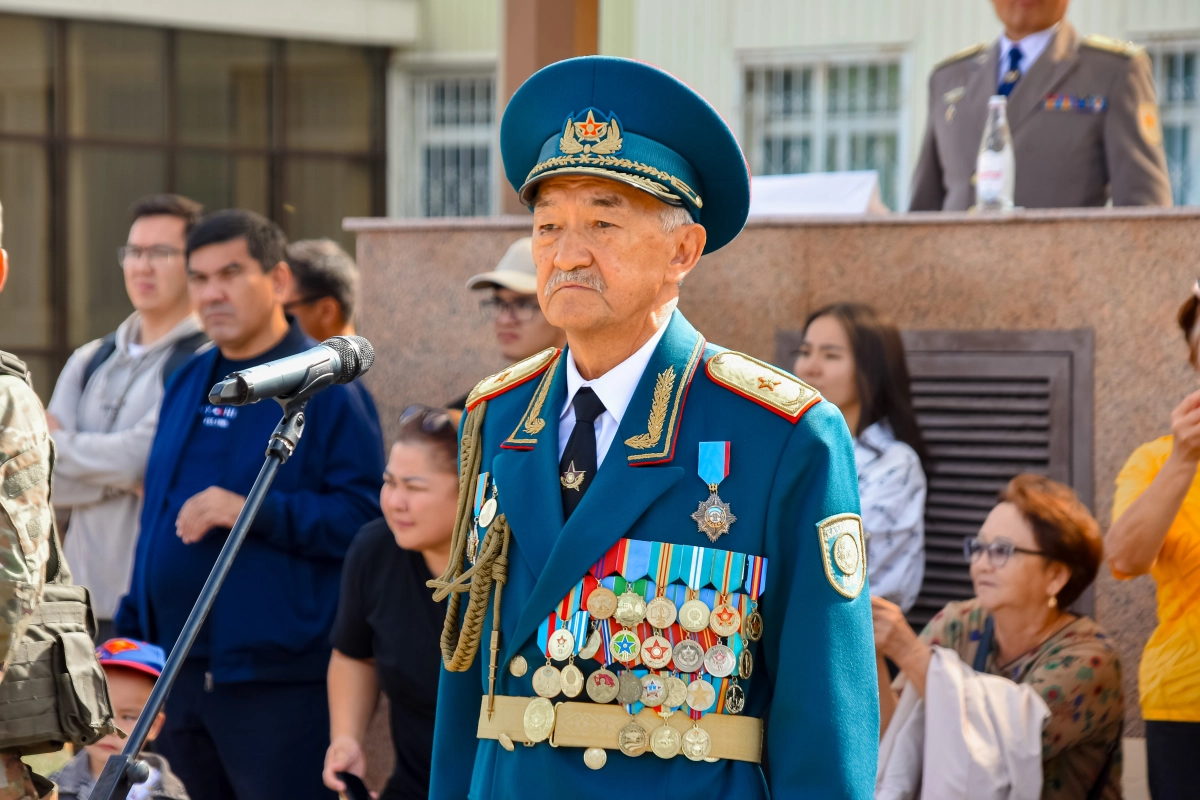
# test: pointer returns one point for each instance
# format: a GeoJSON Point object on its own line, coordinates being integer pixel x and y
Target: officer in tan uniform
{"type": "Point", "coordinates": [1082, 112]}
{"type": "Point", "coordinates": [25, 525]}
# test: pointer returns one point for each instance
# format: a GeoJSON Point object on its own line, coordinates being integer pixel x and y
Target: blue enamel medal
{"type": "Point", "coordinates": [713, 517]}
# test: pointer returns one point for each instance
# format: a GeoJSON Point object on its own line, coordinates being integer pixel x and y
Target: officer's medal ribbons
{"type": "Point", "coordinates": [485, 513]}
{"type": "Point", "coordinates": [713, 517]}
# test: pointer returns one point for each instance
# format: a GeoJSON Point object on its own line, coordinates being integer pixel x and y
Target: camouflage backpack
{"type": "Point", "coordinates": [53, 691]}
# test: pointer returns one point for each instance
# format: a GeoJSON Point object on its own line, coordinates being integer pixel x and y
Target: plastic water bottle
{"type": "Point", "coordinates": [995, 168]}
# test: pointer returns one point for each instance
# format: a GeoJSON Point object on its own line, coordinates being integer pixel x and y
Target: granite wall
{"type": "Point", "coordinates": [1121, 272]}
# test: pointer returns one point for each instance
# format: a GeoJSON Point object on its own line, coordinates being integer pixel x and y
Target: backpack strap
{"type": "Point", "coordinates": [182, 352]}
{"type": "Point", "coordinates": [11, 365]}
{"type": "Point", "coordinates": [108, 346]}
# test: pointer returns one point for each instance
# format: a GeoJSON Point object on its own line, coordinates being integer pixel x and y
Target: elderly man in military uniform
{"type": "Point", "coordinates": [1081, 110]}
{"type": "Point", "coordinates": [657, 578]}
{"type": "Point", "coordinates": [25, 528]}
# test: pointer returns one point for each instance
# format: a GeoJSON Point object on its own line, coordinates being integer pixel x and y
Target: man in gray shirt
{"type": "Point", "coordinates": [104, 410]}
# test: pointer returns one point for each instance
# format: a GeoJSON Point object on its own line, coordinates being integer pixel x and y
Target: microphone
{"type": "Point", "coordinates": [339, 359]}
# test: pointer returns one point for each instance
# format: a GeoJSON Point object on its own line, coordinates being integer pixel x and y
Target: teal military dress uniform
{"type": "Point", "coordinates": [728, 496]}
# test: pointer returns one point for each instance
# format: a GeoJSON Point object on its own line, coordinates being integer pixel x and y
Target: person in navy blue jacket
{"type": "Point", "coordinates": [248, 717]}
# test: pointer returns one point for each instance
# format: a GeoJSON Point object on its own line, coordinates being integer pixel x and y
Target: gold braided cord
{"type": "Point", "coordinates": [460, 641]}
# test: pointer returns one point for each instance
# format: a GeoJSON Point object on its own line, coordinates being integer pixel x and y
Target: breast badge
{"type": "Point", "coordinates": [841, 539]}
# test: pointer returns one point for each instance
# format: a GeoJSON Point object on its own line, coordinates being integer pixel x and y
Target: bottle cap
{"type": "Point", "coordinates": [997, 100]}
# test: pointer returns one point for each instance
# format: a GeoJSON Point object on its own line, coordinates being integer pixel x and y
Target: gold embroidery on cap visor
{"type": "Point", "coordinates": [842, 552]}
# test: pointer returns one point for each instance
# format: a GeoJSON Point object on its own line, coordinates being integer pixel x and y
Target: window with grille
{"type": "Point", "coordinates": [1175, 78]}
{"type": "Point", "coordinates": [827, 117]}
{"type": "Point", "coordinates": [991, 405]}
{"type": "Point", "coordinates": [454, 132]}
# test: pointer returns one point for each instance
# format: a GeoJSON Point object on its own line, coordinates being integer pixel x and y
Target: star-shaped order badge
{"type": "Point", "coordinates": [572, 478]}
{"type": "Point", "coordinates": [713, 516]}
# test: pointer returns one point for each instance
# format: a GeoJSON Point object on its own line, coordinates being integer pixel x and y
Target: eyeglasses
{"type": "Point", "coordinates": [433, 420]}
{"type": "Point", "coordinates": [522, 309]}
{"type": "Point", "coordinates": [158, 256]}
{"type": "Point", "coordinates": [999, 551]}
{"type": "Point", "coordinates": [303, 301]}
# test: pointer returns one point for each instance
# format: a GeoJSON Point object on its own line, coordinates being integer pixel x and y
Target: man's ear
{"type": "Point", "coordinates": [281, 279]}
{"type": "Point", "coordinates": [3, 267]}
{"type": "Point", "coordinates": [330, 311]}
{"type": "Point", "coordinates": [689, 247]}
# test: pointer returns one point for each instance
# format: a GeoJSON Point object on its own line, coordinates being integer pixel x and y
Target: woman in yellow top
{"type": "Point", "coordinates": [1156, 529]}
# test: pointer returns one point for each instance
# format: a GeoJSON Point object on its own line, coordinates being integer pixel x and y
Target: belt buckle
{"type": "Point", "coordinates": [538, 721]}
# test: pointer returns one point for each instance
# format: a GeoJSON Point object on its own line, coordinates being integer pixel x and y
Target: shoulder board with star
{"type": "Point", "coordinates": [962, 55]}
{"type": "Point", "coordinates": [1111, 45]}
{"type": "Point", "coordinates": [511, 377]}
{"type": "Point", "coordinates": [769, 386]}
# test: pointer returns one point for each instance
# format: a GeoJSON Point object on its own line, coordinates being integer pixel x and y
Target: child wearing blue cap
{"type": "Point", "coordinates": [132, 668]}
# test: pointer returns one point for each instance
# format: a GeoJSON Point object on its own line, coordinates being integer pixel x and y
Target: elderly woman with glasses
{"type": "Point", "coordinates": [1037, 551]}
{"type": "Point", "coordinates": [388, 626]}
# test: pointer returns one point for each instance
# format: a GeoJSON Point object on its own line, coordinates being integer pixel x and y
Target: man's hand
{"type": "Point", "coordinates": [344, 755]}
{"type": "Point", "coordinates": [1185, 428]}
{"type": "Point", "coordinates": [52, 422]}
{"type": "Point", "coordinates": [212, 508]}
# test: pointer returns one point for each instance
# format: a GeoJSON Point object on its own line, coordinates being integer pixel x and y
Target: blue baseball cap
{"type": "Point", "coordinates": [627, 121]}
{"type": "Point", "coordinates": [142, 656]}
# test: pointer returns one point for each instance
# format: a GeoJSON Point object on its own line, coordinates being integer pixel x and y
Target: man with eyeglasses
{"type": "Point", "coordinates": [104, 410]}
{"type": "Point", "coordinates": [324, 288]}
{"type": "Point", "coordinates": [521, 328]}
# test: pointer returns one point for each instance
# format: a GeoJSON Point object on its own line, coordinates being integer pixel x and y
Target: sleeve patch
{"type": "Point", "coordinates": [843, 554]}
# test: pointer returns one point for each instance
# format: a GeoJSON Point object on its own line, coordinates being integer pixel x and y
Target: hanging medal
{"type": "Point", "coordinates": [477, 519]}
{"type": "Point", "coordinates": [603, 684]}
{"type": "Point", "coordinates": [547, 680]}
{"type": "Point", "coordinates": [713, 517]}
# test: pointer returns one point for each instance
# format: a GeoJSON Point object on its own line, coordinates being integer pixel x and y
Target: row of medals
{"type": "Point", "coordinates": [663, 692]}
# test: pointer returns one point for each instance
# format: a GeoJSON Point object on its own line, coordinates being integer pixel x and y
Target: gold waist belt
{"type": "Point", "coordinates": [596, 726]}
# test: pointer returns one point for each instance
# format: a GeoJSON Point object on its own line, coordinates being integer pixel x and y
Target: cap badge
{"type": "Point", "coordinates": [590, 136]}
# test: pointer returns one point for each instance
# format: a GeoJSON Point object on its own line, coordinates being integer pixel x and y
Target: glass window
{"type": "Point", "coordinates": [25, 308]}
{"type": "Point", "coordinates": [320, 193]}
{"type": "Point", "coordinates": [220, 180]}
{"type": "Point", "coordinates": [328, 97]}
{"type": "Point", "coordinates": [1175, 74]}
{"type": "Point", "coordinates": [102, 182]}
{"type": "Point", "coordinates": [282, 128]}
{"type": "Point", "coordinates": [454, 134]}
{"type": "Point", "coordinates": [115, 80]}
{"type": "Point", "coordinates": [24, 74]}
{"type": "Point", "coordinates": [224, 84]}
{"type": "Point", "coordinates": [825, 117]}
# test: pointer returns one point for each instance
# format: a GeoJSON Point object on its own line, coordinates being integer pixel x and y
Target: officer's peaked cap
{"type": "Point", "coordinates": [627, 121]}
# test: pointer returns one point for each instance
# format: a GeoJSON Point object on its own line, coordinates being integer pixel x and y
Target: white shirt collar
{"type": "Point", "coordinates": [1032, 46]}
{"type": "Point", "coordinates": [615, 388]}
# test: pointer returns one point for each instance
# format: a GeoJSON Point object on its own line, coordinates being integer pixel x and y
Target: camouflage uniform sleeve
{"type": "Point", "coordinates": [25, 515]}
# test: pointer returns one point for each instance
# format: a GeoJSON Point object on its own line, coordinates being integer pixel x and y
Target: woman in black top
{"type": "Point", "coordinates": [388, 627]}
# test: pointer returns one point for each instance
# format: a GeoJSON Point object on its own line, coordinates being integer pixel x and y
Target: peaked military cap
{"type": "Point", "coordinates": [627, 121]}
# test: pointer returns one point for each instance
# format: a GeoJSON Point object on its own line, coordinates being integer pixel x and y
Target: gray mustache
{"type": "Point", "coordinates": [579, 277]}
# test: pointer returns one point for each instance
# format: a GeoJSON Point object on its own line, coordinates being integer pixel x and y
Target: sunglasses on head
{"type": "Point", "coordinates": [433, 420]}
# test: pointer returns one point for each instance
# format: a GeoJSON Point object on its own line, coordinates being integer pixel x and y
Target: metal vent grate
{"type": "Point", "coordinates": [980, 433]}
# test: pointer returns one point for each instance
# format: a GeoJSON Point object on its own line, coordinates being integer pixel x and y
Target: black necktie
{"type": "Point", "coordinates": [578, 466]}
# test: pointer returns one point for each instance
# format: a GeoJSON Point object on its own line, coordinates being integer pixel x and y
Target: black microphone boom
{"type": "Point", "coordinates": [339, 359]}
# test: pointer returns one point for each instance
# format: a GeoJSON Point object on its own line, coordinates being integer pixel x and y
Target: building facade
{"type": "Point", "coordinates": [279, 107]}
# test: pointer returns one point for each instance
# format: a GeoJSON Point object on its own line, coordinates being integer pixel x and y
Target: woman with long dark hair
{"type": "Point", "coordinates": [855, 358]}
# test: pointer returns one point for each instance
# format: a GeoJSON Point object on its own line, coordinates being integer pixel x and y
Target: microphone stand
{"type": "Point", "coordinates": [124, 770]}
